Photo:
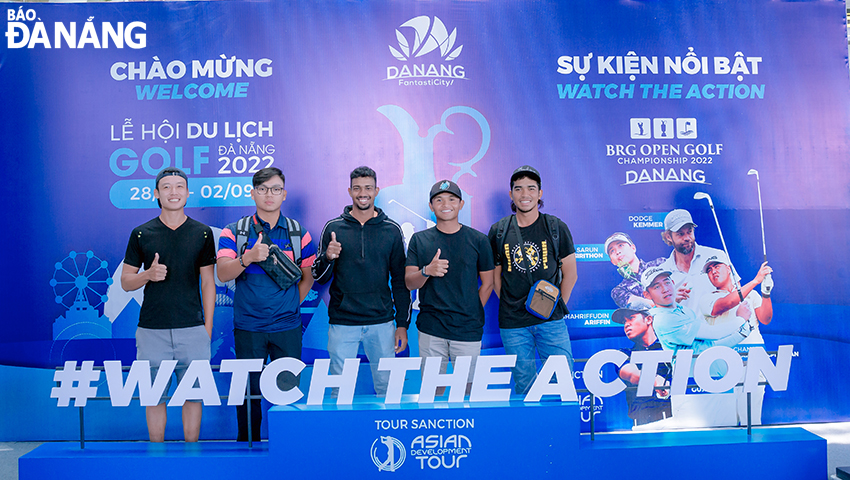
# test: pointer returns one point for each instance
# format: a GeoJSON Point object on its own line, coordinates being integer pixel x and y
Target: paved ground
{"type": "Point", "coordinates": [9, 453]}
{"type": "Point", "coordinates": [837, 436]}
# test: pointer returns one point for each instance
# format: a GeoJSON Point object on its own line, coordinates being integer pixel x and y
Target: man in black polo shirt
{"type": "Point", "coordinates": [637, 325]}
{"type": "Point", "coordinates": [445, 262]}
{"type": "Point", "coordinates": [176, 252]}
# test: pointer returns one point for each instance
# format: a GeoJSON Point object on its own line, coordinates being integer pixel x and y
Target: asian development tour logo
{"type": "Point", "coordinates": [391, 464]}
{"type": "Point", "coordinates": [428, 36]}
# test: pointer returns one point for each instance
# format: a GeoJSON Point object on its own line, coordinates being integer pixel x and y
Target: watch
{"type": "Point", "coordinates": [423, 272]}
{"type": "Point", "coordinates": [240, 262]}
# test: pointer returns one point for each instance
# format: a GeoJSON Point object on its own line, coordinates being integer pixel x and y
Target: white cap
{"type": "Point", "coordinates": [677, 219]}
{"type": "Point", "coordinates": [720, 257]}
{"type": "Point", "coordinates": [618, 237]}
{"type": "Point", "coordinates": [650, 274]}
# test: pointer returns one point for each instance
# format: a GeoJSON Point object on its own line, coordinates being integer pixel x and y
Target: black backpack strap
{"type": "Point", "coordinates": [292, 226]}
{"type": "Point", "coordinates": [242, 228]}
{"type": "Point", "coordinates": [294, 229]}
{"type": "Point", "coordinates": [502, 232]}
{"type": "Point", "coordinates": [551, 224]}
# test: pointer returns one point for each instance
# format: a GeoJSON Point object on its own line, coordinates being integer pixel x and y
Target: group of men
{"type": "Point", "coordinates": [690, 300]}
{"type": "Point", "coordinates": [271, 257]}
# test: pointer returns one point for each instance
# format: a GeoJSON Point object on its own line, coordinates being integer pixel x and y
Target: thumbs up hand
{"type": "Point", "coordinates": [259, 252]}
{"type": "Point", "coordinates": [438, 266]}
{"type": "Point", "coordinates": [157, 271]}
{"type": "Point", "coordinates": [334, 248]}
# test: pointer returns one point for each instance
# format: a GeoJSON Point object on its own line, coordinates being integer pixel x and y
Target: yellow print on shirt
{"type": "Point", "coordinates": [528, 254]}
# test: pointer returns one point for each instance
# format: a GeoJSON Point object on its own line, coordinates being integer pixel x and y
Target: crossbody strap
{"type": "Point", "coordinates": [522, 249]}
{"type": "Point", "coordinates": [268, 241]}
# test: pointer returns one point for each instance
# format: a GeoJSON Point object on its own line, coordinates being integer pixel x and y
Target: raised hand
{"type": "Point", "coordinates": [334, 248]}
{"type": "Point", "coordinates": [438, 266]}
{"type": "Point", "coordinates": [744, 311]}
{"type": "Point", "coordinates": [157, 270]}
{"type": "Point", "coordinates": [683, 293]}
{"type": "Point", "coordinates": [764, 271]}
{"type": "Point", "coordinates": [259, 252]}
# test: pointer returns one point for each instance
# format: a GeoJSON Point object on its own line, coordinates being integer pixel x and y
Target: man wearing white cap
{"type": "Point", "coordinates": [623, 254]}
{"type": "Point", "coordinates": [687, 259]}
{"type": "Point", "coordinates": [724, 305]}
{"type": "Point", "coordinates": [680, 328]}
{"type": "Point", "coordinates": [677, 326]}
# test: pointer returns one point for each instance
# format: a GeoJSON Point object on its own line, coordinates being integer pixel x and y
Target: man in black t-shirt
{"type": "Point", "coordinates": [445, 262]}
{"type": "Point", "coordinates": [524, 252]}
{"type": "Point", "coordinates": [175, 323]}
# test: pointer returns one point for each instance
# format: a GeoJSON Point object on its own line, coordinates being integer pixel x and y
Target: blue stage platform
{"type": "Point", "coordinates": [460, 440]}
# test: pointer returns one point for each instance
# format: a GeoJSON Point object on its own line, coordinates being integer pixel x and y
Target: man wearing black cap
{"type": "Point", "coordinates": [444, 263]}
{"type": "Point", "coordinates": [529, 247]}
{"type": "Point", "coordinates": [637, 325]}
{"type": "Point", "coordinates": [174, 322]}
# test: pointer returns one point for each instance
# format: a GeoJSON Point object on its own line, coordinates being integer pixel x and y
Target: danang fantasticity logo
{"type": "Point", "coordinates": [394, 455]}
{"type": "Point", "coordinates": [428, 37]}
{"type": "Point", "coordinates": [425, 37]}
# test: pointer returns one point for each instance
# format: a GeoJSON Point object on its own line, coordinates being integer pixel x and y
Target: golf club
{"type": "Point", "coordinates": [735, 279]}
{"type": "Point", "coordinates": [768, 280]}
{"type": "Point", "coordinates": [755, 172]}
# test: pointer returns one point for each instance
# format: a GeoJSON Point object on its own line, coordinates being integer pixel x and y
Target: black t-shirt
{"type": "Point", "coordinates": [539, 253]}
{"type": "Point", "coordinates": [449, 306]}
{"type": "Point", "coordinates": [648, 409]}
{"type": "Point", "coordinates": [176, 301]}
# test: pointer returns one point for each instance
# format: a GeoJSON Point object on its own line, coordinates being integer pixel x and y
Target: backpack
{"type": "Point", "coordinates": [293, 227]}
{"type": "Point", "coordinates": [551, 225]}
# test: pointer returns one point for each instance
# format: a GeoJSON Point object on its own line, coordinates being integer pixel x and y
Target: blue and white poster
{"type": "Point", "coordinates": [628, 109]}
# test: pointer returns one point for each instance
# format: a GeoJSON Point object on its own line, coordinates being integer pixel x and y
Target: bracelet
{"type": "Point", "coordinates": [423, 272]}
{"type": "Point", "coordinates": [240, 262]}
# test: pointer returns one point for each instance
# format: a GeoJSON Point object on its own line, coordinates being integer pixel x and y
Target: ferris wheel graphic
{"type": "Point", "coordinates": [81, 278]}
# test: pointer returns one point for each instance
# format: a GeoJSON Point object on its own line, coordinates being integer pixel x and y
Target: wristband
{"type": "Point", "coordinates": [240, 262]}
{"type": "Point", "coordinates": [423, 272]}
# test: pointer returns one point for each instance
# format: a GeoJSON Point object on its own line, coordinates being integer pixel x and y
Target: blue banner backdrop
{"type": "Point", "coordinates": [627, 109]}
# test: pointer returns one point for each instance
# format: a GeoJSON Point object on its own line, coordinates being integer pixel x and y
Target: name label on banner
{"type": "Point", "coordinates": [77, 384]}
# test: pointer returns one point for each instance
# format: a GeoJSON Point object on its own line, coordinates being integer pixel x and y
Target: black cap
{"type": "Point", "coordinates": [526, 171]}
{"type": "Point", "coordinates": [447, 186]}
{"type": "Point", "coordinates": [619, 315]}
{"type": "Point", "coordinates": [169, 171]}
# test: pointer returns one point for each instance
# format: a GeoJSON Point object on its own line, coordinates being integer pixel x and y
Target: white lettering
{"type": "Point", "coordinates": [398, 368]}
{"type": "Point", "coordinates": [322, 379]}
{"type": "Point", "coordinates": [200, 373]}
